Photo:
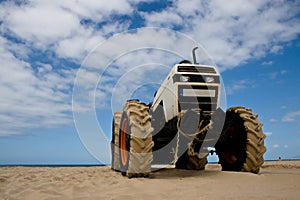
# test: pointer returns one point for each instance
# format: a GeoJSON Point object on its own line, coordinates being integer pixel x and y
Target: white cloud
{"type": "Point", "coordinates": [141, 1]}
{"type": "Point", "coordinates": [283, 107]}
{"type": "Point", "coordinates": [96, 10]}
{"type": "Point", "coordinates": [276, 146]}
{"type": "Point", "coordinates": [125, 61]}
{"type": "Point", "coordinates": [272, 120]}
{"type": "Point", "coordinates": [276, 75]}
{"type": "Point", "coordinates": [79, 45]}
{"type": "Point", "coordinates": [235, 31]}
{"type": "Point", "coordinates": [282, 72]}
{"type": "Point", "coordinates": [268, 134]}
{"type": "Point", "coordinates": [238, 85]}
{"type": "Point", "coordinates": [43, 24]}
{"type": "Point", "coordinates": [232, 33]}
{"type": "Point", "coordinates": [147, 38]}
{"type": "Point", "coordinates": [32, 99]}
{"type": "Point", "coordinates": [268, 63]}
{"type": "Point", "coordinates": [166, 18]}
{"type": "Point", "coordinates": [291, 116]}
{"type": "Point", "coordinates": [40, 24]}
{"type": "Point", "coordinates": [276, 49]}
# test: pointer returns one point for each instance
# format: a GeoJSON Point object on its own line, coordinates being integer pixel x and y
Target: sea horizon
{"type": "Point", "coordinates": [97, 165]}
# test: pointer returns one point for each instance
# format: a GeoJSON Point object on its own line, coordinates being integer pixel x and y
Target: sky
{"type": "Point", "coordinates": [66, 66]}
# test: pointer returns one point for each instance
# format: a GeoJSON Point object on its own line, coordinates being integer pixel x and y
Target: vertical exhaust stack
{"type": "Point", "coordinates": [194, 55]}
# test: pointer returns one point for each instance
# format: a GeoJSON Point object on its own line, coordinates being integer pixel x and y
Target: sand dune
{"type": "Point", "coordinates": [277, 180]}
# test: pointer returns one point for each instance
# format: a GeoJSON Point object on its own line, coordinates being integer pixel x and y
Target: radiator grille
{"type": "Point", "coordinates": [197, 69]}
{"type": "Point", "coordinates": [205, 103]}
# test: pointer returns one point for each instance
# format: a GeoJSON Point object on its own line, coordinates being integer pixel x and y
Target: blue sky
{"type": "Point", "coordinates": [47, 47]}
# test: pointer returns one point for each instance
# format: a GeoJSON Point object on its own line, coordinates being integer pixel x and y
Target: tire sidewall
{"type": "Point", "coordinates": [113, 144]}
{"type": "Point", "coordinates": [123, 167]}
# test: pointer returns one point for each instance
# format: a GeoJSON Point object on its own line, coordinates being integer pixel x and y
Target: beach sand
{"type": "Point", "coordinates": [276, 180]}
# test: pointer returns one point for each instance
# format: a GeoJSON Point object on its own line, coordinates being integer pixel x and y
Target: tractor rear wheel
{"type": "Point", "coordinates": [115, 162]}
{"type": "Point", "coordinates": [135, 140]}
{"type": "Point", "coordinates": [241, 143]}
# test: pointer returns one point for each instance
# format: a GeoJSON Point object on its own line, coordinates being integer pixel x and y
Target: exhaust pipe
{"type": "Point", "coordinates": [194, 55]}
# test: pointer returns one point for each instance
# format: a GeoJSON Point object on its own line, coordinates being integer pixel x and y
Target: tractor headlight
{"type": "Point", "coordinates": [209, 79]}
{"type": "Point", "coordinates": [184, 78]}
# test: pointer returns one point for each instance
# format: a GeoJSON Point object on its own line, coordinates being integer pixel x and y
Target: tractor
{"type": "Point", "coordinates": [183, 125]}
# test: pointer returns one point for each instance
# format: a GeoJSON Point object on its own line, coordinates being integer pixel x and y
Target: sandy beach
{"type": "Point", "coordinates": [276, 180]}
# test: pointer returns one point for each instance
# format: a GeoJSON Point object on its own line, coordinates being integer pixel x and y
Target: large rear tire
{"type": "Point", "coordinates": [241, 143]}
{"type": "Point", "coordinates": [115, 161]}
{"type": "Point", "coordinates": [135, 140]}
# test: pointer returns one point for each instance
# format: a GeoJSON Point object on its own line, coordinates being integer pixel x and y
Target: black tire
{"type": "Point", "coordinates": [135, 140]}
{"type": "Point", "coordinates": [241, 143]}
{"type": "Point", "coordinates": [191, 162]}
{"type": "Point", "coordinates": [115, 157]}
{"type": "Point", "coordinates": [192, 158]}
